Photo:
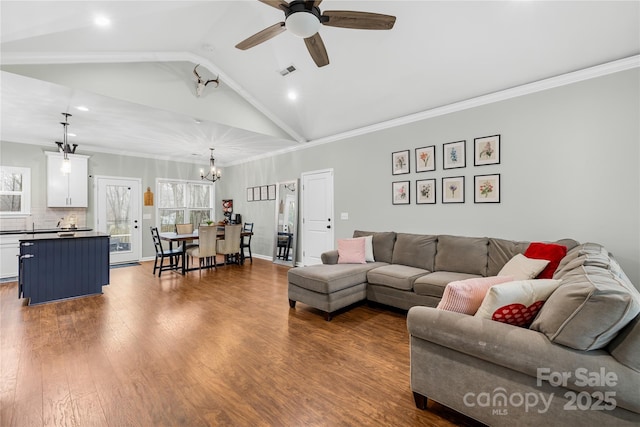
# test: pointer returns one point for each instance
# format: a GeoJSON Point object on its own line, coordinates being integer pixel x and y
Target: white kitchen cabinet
{"type": "Point", "coordinates": [9, 251]}
{"type": "Point", "coordinates": [70, 190]}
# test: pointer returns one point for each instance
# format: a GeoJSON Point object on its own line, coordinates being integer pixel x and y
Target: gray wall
{"type": "Point", "coordinates": [570, 161]}
{"type": "Point", "coordinates": [569, 168]}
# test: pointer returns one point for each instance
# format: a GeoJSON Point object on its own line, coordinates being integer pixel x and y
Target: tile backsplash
{"type": "Point", "coordinates": [43, 217]}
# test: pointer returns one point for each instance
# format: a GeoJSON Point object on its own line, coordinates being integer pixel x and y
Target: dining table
{"type": "Point", "coordinates": [173, 237]}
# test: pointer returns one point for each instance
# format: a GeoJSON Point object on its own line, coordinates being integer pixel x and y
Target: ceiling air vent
{"type": "Point", "coordinates": [290, 69]}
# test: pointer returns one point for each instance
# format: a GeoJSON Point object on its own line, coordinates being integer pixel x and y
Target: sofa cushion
{"type": "Point", "coordinates": [382, 244]}
{"type": "Point", "coordinates": [351, 251]}
{"type": "Point", "coordinates": [368, 248]}
{"type": "Point", "coordinates": [626, 346]}
{"type": "Point", "coordinates": [462, 254]}
{"type": "Point", "coordinates": [465, 296]}
{"type": "Point", "coordinates": [588, 309]}
{"type": "Point", "coordinates": [415, 250]}
{"type": "Point", "coordinates": [523, 268]}
{"type": "Point", "coordinates": [328, 278]}
{"type": "Point", "coordinates": [552, 252]}
{"type": "Point", "coordinates": [434, 284]}
{"type": "Point", "coordinates": [591, 254]}
{"type": "Point", "coordinates": [500, 251]}
{"type": "Point", "coordinates": [395, 276]}
{"type": "Point", "coordinates": [516, 303]}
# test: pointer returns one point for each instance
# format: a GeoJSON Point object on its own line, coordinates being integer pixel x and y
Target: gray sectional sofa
{"type": "Point", "coordinates": [577, 364]}
{"type": "Point", "coordinates": [409, 270]}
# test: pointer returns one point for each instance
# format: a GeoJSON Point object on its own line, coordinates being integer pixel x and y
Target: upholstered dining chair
{"type": "Point", "coordinates": [245, 241]}
{"type": "Point", "coordinates": [205, 251]}
{"type": "Point", "coordinates": [174, 255]}
{"type": "Point", "coordinates": [230, 246]}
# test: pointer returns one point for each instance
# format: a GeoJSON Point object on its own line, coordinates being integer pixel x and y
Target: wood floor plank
{"type": "Point", "coordinates": [223, 348]}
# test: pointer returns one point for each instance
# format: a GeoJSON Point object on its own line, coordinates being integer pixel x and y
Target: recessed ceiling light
{"type": "Point", "coordinates": [82, 108]}
{"type": "Point", "coordinates": [102, 21]}
{"type": "Point", "coordinates": [71, 134]}
{"type": "Point", "coordinates": [292, 95]}
{"type": "Point", "coordinates": [198, 121]}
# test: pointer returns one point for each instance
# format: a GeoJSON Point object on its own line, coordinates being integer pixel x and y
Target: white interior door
{"type": "Point", "coordinates": [317, 215]}
{"type": "Point", "coordinates": [118, 210]}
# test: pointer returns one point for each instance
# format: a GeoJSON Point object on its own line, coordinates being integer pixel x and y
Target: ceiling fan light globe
{"type": "Point", "coordinates": [302, 24]}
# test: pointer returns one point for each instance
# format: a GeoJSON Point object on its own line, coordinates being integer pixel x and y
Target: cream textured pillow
{"type": "Point", "coordinates": [465, 296]}
{"type": "Point", "coordinates": [368, 248]}
{"type": "Point", "coordinates": [516, 303]}
{"type": "Point", "coordinates": [522, 268]}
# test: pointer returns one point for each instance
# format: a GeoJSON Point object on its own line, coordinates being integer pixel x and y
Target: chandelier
{"type": "Point", "coordinates": [64, 146]}
{"type": "Point", "coordinates": [213, 174]}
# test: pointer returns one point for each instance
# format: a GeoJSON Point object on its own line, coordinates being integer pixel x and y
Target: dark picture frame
{"type": "Point", "coordinates": [264, 192]}
{"type": "Point", "coordinates": [454, 154]}
{"type": "Point", "coordinates": [401, 192]}
{"type": "Point", "coordinates": [486, 188]}
{"type": "Point", "coordinates": [271, 190]}
{"type": "Point", "coordinates": [453, 189]}
{"type": "Point", "coordinates": [256, 194]}
{"type": "Point", "coordinates": [486, 150]}
{"type": "Point", "coordinates": [400, 162]}
{"type": "Point", "coordinates": [250, 194]}
{"type": "Point", "coordinates": [426, 192]}
{"type": "Point", "coordinates": [426, 159]}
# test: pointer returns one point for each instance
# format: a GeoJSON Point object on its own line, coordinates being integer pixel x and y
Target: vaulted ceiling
{"type": "Point", "coordinates": [136, 74]}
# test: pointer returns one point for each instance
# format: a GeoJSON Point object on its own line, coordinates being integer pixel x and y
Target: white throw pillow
{"type": "Point", "coordinates": [522, 268]}
{"type": "Point", "coordinates": [516, 303]}
{"type": "Point", "coordinates": [368, 248]}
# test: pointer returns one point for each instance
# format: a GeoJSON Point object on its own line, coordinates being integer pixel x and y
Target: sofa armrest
{"type": "Point", "coordinates": [330, 257]}
{"type": "Point", "coordinates": [519, 349]}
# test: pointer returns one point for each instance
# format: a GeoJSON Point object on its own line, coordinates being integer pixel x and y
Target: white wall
{"type": "Point", "coordinates": [569, 168]}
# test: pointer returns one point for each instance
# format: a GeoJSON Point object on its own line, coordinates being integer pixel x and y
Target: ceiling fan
{"type": "Point", "coordinates": [303, 18]}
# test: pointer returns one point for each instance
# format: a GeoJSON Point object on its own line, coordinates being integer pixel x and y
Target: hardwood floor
{"type": "Point", "coordinates": [221, 349]}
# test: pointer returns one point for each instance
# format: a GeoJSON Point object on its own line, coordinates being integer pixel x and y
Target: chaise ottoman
{"type": "Point", "coordinates": [329, 287]}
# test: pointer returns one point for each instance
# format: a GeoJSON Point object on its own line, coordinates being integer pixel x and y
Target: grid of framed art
{"type": "Point", "coordinates": [261, 192]}
{"type": "Point", "coordinates": [486, 187]}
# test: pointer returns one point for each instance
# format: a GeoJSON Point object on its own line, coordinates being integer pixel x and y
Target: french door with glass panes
{"type": "Point", "coordinates": [118, 214]}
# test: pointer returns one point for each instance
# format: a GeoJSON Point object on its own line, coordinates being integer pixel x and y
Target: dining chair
{"type": "Point", "coordinates": [174, 255]}
{"type": "Point", "coordinates": [230, 245]}
{"type": "Point", "coordinates": [205, 251]}
{"type": "Point", "coordinates": [245, 241]}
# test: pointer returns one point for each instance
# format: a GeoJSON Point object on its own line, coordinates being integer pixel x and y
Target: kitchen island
{"type": "Point", "coordinates": [55, 266]}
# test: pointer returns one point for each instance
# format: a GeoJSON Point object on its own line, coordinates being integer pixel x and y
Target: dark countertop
{"type": "Point", "coordinates": [55, 236]}
{"type": "Point", "coordinates": [43, 230]}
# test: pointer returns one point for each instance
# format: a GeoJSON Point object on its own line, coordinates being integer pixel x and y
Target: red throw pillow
{"type": "Point", "coordinates": [549, 251]}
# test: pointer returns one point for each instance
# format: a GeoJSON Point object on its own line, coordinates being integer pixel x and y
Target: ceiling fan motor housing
{"type": "Point", "coordinates": [301, 20]}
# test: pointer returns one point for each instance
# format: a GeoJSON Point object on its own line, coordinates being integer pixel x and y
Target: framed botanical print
{"type": "Point", "coordinates": [400, 162]}
{"type": "Point", "coordinates": [453, 189]}
{"type": "Point", "coordinates": [256, 194]}
{"type": "Point", "coordinates": [426, 159]}
{"type": "Point", "coordinates": [426, 191]}
{"type": "Point", "coordinates": [400, 193]}
{"type": "Point", "coordinates": [271, 190]}
{"type": "Point", "coordinates": [250, 194]}
{"type": "Point", "coordinates": [486, 188]}
{"type": "Point", "coordinates": [486, 150]}
{"type": "Point", "coordinates": [454, 155]}
{"type": "Point", "coordinates": [264, 192]}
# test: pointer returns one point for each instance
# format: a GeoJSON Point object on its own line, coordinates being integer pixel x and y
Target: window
{"type": "Point", "coordinates": [15, 190]}
{"type": "Point", "coordinates": [182, 202]}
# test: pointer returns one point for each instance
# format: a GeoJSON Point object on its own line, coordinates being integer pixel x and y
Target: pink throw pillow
{"type": "Point", "coordinates": [466, 296]}
{"type": "Point", "coordinates": [351, 251]}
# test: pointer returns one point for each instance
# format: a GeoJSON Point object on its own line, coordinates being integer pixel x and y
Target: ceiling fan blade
{"type": "Point", "coordinates": [316, 48]}
{"type": "Point", "coordinates": [310, 4]}
{"type": "Point", "coordinates": [358, 20]}
{"type": "Point", "coordinates": [278, 4]}
{"type": "Point", "coordinates": [262, 36]}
